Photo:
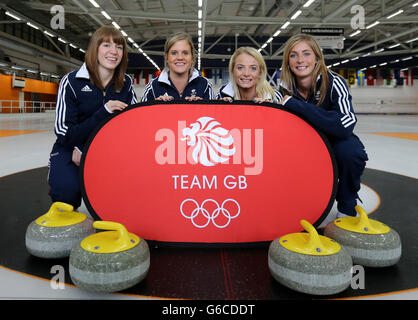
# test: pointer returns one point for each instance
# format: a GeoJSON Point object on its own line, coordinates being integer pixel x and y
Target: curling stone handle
{"type": "Point", "coordinates": [314, 240]}
{"type": "Point", "coordinates": [123, 236]}
{"type": "Point", "coordinates": [364, 219]}
{"type": "Point", "coordinates": [57, 207]}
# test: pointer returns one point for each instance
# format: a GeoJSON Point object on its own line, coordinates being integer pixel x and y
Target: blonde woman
{"type": "Point", "coordinates": [322, 98]}
{"type": "Point", "coordinates": [179, 80]}
{"type": "Point", "coordinates": [248, 73]}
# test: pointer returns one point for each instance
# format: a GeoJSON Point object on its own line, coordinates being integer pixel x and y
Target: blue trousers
{"type": "Point", "coordinates": [351, 160]}
{"type": "Point", "coordinates": [63, 177]}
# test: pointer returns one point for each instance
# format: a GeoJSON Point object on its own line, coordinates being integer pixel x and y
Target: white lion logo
{"type": "Point", "coordinates": [212, 144]}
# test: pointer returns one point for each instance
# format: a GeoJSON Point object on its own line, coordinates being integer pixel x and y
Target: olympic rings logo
{"type": "Point", "coordinates": [210, 216]}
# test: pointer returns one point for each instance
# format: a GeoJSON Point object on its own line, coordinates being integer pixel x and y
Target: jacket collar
{"type": "Point", "coordinates": [229, 90]}
{"type": "Point", "coordinates": [165, 79]}
{"type": "Point", "coordinates": [83, 72]}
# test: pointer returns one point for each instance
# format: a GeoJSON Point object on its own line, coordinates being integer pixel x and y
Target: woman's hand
{"type": "Point", "coordinates": [115, 105]}
{"type": "Point", "coordinates": [227, 99]}
{"type": "Point", "coordinates": [76, 157]}
{"type": "Point", "coordinates": [193, 98]}
{"type": "Point", "coordinates": [165, 97]}
{"type": "Point", "coordinates": [261, 100]}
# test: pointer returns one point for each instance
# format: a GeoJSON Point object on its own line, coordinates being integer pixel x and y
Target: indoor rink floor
{"type": "Point", "coordinates": [389, 193]}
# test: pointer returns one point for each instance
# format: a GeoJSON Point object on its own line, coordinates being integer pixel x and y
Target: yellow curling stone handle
{"type": "Point", "coordinates": [117, 239]}
{"type": "Point", "coordinates": [60, 214]}
{"type": "Point", "coordinates": [362, 224]}
{"type": "Point", "coordinates": [310, 243]}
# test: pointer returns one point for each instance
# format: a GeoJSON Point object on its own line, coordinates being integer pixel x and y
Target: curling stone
{"type": "Point", "coordinates": [109, 261]}
{"type": "Point", "coordinates": [310, 263]}
{"type": "Point", "coordinates": [53, 234]}
{"type": "Point", "coordinates": [369, 242]}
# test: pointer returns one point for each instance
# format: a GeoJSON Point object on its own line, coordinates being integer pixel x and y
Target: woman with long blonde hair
{"type": "Point", "coordinates": [322, 97]}
{"type": "Point", "coordinates": [248, 78]}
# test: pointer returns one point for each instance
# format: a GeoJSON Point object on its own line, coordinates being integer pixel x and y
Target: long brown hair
{"type": "Point", "coordinates": [286, 75]}
{"type": "Point", "coordinates": [106, 33]}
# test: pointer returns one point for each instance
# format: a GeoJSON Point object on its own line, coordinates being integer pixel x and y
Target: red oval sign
{"type": "Point", "coordinates": [208, 172]}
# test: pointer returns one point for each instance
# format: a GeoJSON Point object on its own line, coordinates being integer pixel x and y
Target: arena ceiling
{"type": "Point", "coordinates": [387, 37]}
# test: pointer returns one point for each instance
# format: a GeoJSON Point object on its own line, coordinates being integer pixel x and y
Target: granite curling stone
{"type": "Point", "coordinates": [54, 234]}
{"type": "Point", "coordinates": [109, 261]}
{"type": "Point", "coordinates": [369, 242]}
{"type": "Point", "coordinates": [310, 263]}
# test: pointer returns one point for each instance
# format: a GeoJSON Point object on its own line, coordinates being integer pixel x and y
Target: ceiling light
{"type": "Point", "coordinates": [269, 40]}
{"type": "Point", "coordinates": [404, 59]}
{"type": "Point", "coordinates": [394, 14]}
{"type": "Point", "coordinates": [199, 14]}
{"type": "Point", "coordinates": [130, 40]}
{"type": "Point", "coordinates": [296, 15]}
{"type": "Point", "coordinates": [355, 33]}
{"type": "Point", "coordinates": [116, 25]}
{"type": "Point", "coordinates": [285, 25]}
{"type": "Point", "coordinates": [394, 46]}
{"type": "Point", "coordinates": [94, 3]}
{"type": "Point", "coordinates": [277, 33]}
{"type": "Point", "coordinates": [62, 40]}
{"type": "Point", "coordinates": [49, 34]}
{"type": "Point", "coordinates": [411, 40]}
{"type": "Point", "coordinates": [12, 15]}
{"type": "Point", "coordinates": [308, 3]}
{"type": "Point", "coordinates": [106, 15]}
{"type": "Point", "coordinates": [372, 25]}
{"type": "Point", "coordinates": [383, 64]}
{"type": "Point", "coordinates": [32, 25]}
{"type": "Point", "coordinates": [124, 33]}
{"type": "Point", "coordinates": [380, 50]}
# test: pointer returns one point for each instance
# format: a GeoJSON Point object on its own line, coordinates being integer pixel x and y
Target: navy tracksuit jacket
{"type": "Point", "coordinates": [197, 86]}
{"type": "Point", "coordinates": [335, 117]}
{"type": "Point", "coordinates": [80, 108]}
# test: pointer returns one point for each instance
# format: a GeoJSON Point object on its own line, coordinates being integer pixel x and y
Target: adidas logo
{"type": "Point", "coordinates": [86, 89]}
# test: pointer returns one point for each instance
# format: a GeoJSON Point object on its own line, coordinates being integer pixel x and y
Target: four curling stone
{"type": "Point", "coordinates": [53, 234]}
{"type": "Point", "coordinates": [310, 263]}
{"type": "Point", "coordinates": [109, 261]}
{"type": "Point", "coordinates": [369, 242]}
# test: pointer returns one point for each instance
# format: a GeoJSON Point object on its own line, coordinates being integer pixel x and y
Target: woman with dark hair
{"type": "Point", "coordinates": [322, 97]}
{"type": "Point", "coordinates": [85, 98]}
{"type": "Point", "coordinates": [179, 80]}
